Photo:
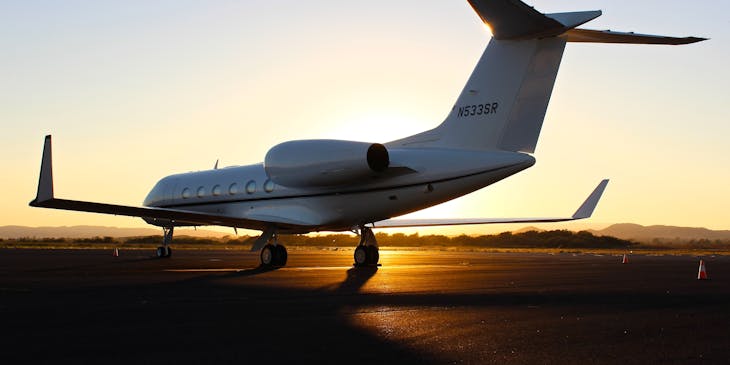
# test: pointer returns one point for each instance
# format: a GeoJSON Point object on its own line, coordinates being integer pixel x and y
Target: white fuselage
{"type": "Point", "coordinates": [433, 176]}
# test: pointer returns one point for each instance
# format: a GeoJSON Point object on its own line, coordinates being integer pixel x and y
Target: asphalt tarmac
{"type": "Point", "coordinates": [85, 306]}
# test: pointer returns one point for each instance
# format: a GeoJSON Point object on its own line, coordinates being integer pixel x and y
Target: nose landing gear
{"type": "Point", "coordinates": [165, 251]}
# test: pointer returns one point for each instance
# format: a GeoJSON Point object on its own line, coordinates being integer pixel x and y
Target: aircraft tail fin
{"type": "Point", "coordinates": [515, 20]}
{"type": "Point", "coordinates": [505, 100]}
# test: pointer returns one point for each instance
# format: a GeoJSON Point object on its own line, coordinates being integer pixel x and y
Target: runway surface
{"type": "Point", "coordinates": [85, 306]}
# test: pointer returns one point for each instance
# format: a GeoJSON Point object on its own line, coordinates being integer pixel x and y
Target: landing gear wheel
{"type": "Point", "coordinates": [268, 255]}
{"type": "Point", "coordinates": [281, 255]}
{"type": "Point", "coordinates": [273, 255]}
{"type": "Point", "coordinates": [163, 252]}
{"type": "Point", "coordinates": [373, 255]}
{"type": "Point", "coordinates": [366, 253]}
{"type": "Point", "coordinates": [361, 256]}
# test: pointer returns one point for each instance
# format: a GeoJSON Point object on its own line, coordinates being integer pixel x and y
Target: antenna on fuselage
{"type": "Point", "coordinates": [215, 167]}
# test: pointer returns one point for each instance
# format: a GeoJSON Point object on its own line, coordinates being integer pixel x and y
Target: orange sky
{"type": "Point", "coordinates": [137, 90]}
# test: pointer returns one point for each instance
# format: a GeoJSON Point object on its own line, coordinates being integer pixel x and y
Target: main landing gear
{"type": "Point", "coordinates": [366, 253]}
{"type": "Point", "coordinates": [273, 254]}
{"type": "Point", "coordinates": [165, 251]}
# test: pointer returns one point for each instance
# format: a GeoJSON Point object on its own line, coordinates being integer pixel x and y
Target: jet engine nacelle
{"type": "Point", "coordinates": [324, 162]}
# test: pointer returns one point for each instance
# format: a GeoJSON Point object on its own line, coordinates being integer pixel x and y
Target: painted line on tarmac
{"type": "Point", "coordinates": [309, 268]}
{"type": "Point", "coordinates": [312, 268]}
{"type": "Point", "coordinates": [315, 268]}
{"type": "Point", "coordinates": [204, 270]}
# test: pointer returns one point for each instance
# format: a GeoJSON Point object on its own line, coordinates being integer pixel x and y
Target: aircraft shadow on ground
{"type": "Point", "coordinates": [356, 277]}
{"type": "Point", "coordinates": [203, 319]}
{"type": "Point", "coordinates": [210, 319]}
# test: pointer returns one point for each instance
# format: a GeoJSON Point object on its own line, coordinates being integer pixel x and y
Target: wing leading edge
{"type": "Point", "coordinates": [584, 211]}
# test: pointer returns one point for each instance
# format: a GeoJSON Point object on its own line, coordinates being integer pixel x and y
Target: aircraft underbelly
{"type": "Point", "coordinates": [345, 211]}
{"type": "Point", "coordinates": [367, 207]}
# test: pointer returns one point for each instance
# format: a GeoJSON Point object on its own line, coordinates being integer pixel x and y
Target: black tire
{"type": "Point", "coordinates": [361, 256]}
{"type": "Point", "coordinates": [281, 255]}
{"type": "Point", "coordinates": [160, 252]}
{"type": "Point", "coordinates": [169, 252]}
{"type": "Point", "coordinates": [373, 255]}
{"type": "Point", "coordinates": [268, 255]}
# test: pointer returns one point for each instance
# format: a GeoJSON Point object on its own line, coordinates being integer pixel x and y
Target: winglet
{"type": "Point", "coordinates": [45, 181]}
{"type": "Point", "coordinates": [586, 209]}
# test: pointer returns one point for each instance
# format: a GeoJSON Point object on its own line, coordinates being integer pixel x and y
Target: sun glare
{"type": "Point", "coordinates": [488, 28]}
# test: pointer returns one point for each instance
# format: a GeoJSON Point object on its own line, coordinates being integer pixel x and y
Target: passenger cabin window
{"type": "Point", "coordinates": [233, 189]}
{"type": "Point", "coordinates": [216, 190]}
{"type": "Point", "coordinates": [201, 192]}
{"type": "Point", "coordinates": [251, 187]}
{"type": "Point", "coordinates": [269, 186]}
{"type": "Point", "coordinates": [186, 193]}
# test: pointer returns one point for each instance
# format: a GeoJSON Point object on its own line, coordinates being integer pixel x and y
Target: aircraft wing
{"type": "Point", "coordinates": [178, 217]}
{"type": "Point", "coordinates": [46, 199]}
{"type": "Point", "coordinates": [584, 211]}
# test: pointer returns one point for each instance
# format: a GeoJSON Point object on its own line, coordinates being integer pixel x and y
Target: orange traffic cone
{"type": "Point", "coordinates": [625, 260]}
{"type": "Point", "coordinates": [116, 252]}
{"type": "Point", "coordinates": [702, 274]}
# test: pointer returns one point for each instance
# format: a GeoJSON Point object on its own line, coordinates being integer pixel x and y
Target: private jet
{"type": "Point", "coordinates": [307, 186]}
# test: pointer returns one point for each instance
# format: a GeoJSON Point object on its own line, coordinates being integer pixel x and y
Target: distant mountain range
{"type": "Point", "coordinates": [630, 231]}
{"type": "Point", "coordinates": [97, 231]}
{"type": "Point", "coordinates": [627, 231]}
{"type": "Point", "coordinates": [527, 229]}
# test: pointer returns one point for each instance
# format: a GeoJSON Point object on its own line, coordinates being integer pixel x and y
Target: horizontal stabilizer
{"type": "Point", "coordinates": [576, 18]}
{"type": "Point", "coordinates": [515, 20]}
{"type": "Point", "coordinates": [584, 211]}
{"type": "Point", "coordinates": [607, 36]}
